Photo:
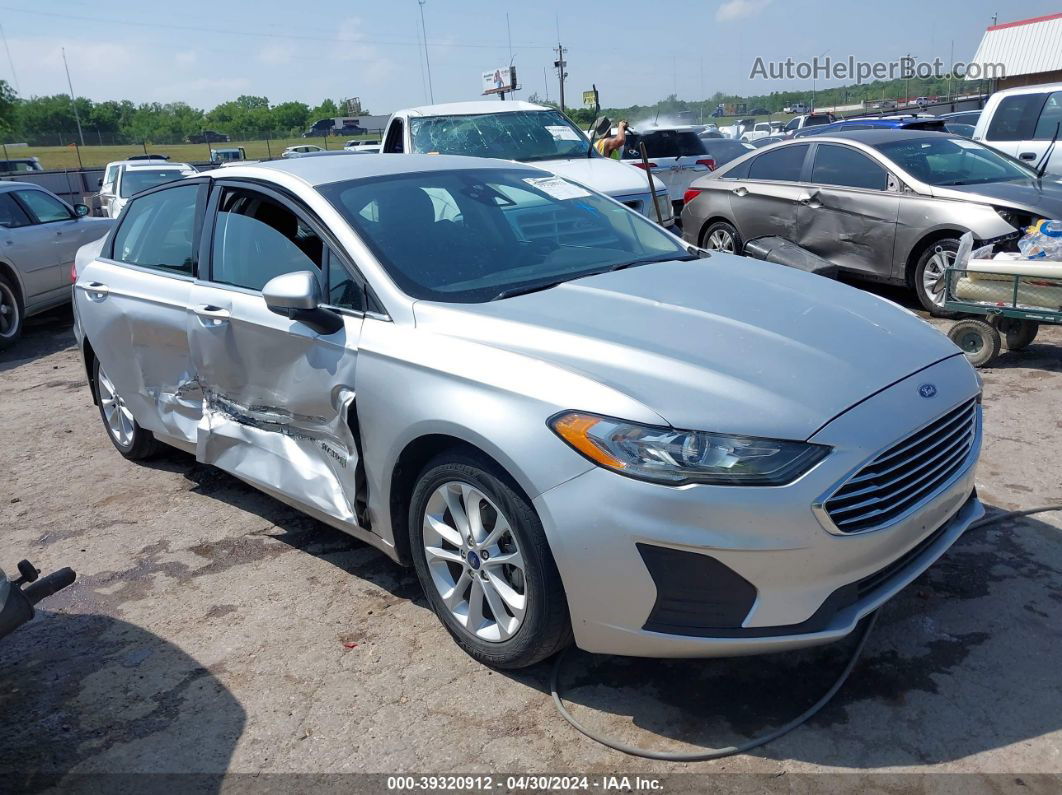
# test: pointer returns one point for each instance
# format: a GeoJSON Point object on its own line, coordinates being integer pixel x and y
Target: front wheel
{"type": "Point", "coordinates": [10, 314]}
{"type": "Point", "coordinates": [125, 433]}
{"type": "Point", "coordinates": [483, 561]}
{"type": "Point", "coordinates": [930, 276]}
{"type": "Point", "coordinates": [978, 339]}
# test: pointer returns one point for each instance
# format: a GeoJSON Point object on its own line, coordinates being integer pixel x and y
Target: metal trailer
{"type": "Point", "coordinates": [1011, 309]}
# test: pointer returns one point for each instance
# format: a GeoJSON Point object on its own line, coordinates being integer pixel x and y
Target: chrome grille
{"type": "Point", "coordinates": [906, 474]}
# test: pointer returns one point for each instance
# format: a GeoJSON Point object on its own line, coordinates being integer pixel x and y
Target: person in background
{"type": "Point", "coordinates": [612, 146]}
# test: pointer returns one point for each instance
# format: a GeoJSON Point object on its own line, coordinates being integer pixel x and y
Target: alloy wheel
{"type": "Point", "coordinates": [8, 311]}
{"type": "Point", "coordinates": [475, 561]}
{"type": "Point", "coordinates": [721, 240]}
{"type": "Point", "coordinates": [934, 274]}
{"type": "Point", "coordinates": [119, 418]}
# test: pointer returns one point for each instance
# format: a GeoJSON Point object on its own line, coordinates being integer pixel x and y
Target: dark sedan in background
{"type": "Point", "coordinates": [889, 205]}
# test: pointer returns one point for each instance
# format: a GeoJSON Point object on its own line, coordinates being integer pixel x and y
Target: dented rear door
{"type": "Point", "coordinates": [278, 396]}
{"type": "Point", "coordinates": [132, 301]}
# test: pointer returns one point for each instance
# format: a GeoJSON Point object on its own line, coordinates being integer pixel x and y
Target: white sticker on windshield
{"type": "Point", "coordinates": [562, 132]}
{"type": "Point", "coordinates": [557, 187]}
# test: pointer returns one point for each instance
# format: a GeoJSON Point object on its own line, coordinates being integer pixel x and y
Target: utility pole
{"type": "Point", "coordinates": [10, 61]}
{"type": "Point", "coordinates": [427, 63]}
{"type": "Point", "coordinates": [560, 63]}
{"type": "Point", "coordinates": [73, 102]}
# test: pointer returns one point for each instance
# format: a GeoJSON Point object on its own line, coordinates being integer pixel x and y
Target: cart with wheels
{"type": "Point", "coordinates": [1012, 299]}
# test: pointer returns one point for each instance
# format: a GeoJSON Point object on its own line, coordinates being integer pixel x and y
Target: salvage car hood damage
{"type": "Point", "coordinates": [725, 344]}
{"type": "Point", "coordinates": [1041, 197]}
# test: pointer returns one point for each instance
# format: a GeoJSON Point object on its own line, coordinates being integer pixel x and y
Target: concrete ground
{"type": "Point", "coordinates": [213, 629]}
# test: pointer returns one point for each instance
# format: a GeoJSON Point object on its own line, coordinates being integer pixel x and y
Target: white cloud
{"type": "Point", "coordinates": [739, 9]}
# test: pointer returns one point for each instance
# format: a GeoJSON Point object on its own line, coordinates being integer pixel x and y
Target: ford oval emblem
{"type": "Point", "coordinates": [927, 390]}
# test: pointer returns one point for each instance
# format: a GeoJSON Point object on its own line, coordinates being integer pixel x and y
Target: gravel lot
{"type": "Point", "coordinates": [213, 629]}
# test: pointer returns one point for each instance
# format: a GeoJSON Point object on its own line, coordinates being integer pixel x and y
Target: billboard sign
{"type": "Point", "coordinates": [499, 81]}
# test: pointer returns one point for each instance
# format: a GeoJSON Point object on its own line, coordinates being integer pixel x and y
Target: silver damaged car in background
{"type": "Point", "coordinates": [570, 422]}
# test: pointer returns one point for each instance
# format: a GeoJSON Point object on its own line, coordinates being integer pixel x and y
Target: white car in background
{"type": "Point", "coordinates": [1021, 122]}
{"type": "Point", "coordinates": [762, 129]}
{"type": "Point", "coordinates": [362, 146]}
{"type": "Point", "coordinates": [528, 133]}
{"type": "Point", "coordinates": [676, 157]}
{"type": "Point", "coordinates": [124, 178]}
{"type": "Point", "coordinates": [301, 149]}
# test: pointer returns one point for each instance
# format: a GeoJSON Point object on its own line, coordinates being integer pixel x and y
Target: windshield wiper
{"type": "Point", "coordinates": [527, 288]}
{"type": "Point", "coordinates": [649, 260]}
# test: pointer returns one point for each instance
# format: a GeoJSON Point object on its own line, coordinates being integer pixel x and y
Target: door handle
{"type": "Point", "coordinates": [211, 315]}
{"type": "Point", "coordinates": [97, 291]}
{"type": "Point", "coordinates": [1027, 155]}
{"type": "Point", "coordinates": [742, 191]}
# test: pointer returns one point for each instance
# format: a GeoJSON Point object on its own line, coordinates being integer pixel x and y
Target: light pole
{"type": "Point", "coordinates": [427, 63]}
{"type": "Point", "coordinates": [815, 76]}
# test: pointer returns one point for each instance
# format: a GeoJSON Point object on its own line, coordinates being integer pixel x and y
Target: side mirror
{"type": "Point", "coordinates": [82, 210]}
{"type": "Point", "coordinates": [99, 182]}
{"type": "Point", "coordinates": [297, 296]}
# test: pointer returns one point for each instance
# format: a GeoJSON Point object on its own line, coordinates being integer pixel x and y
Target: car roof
{"type": "Point", "coordinates": [877, 136]}
{"type": "Point", "coordinates": [324, 170]}
{"type": "Point", "coordinates": [1043, 88]}
{"type": "Point", "coordinates": [472, 108]}
{"type": "Point", "coordinates": [150, 164]}
{"type": "Point", "coordinates": [7, 185]}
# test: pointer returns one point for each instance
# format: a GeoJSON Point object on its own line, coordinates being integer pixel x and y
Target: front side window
{"type": "Point", "coordinates": [842, 165]}
{"type": "Point", "coordinates": [784, 164]}
{"type": "Point", "coordinates": [135, 181]}
{"type": "Point", "coordinates": [525, 135]}
{"type": "Point", "coordinates": [44, 207]}
{"type": "Point", "coordinates": [11, 214]}
{"type": "Point", "coordinates": [1015, 118]}
{"type": "Point", "coordinates": [1050, 118]}
{"type": "Point", "coordinates": [475, 235]}
{"type": "Point", "coordinates": [158, 231]}
{"type": "Point", "coordinates": [256, 238]}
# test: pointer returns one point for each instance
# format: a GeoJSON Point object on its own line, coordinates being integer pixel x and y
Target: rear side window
{"type": "Point", "coordinates": [158, 231]}
{"type": "Point", "coordinates": [842, 165]}
{"type": "Point", "coordinates": [783, 164]}
{"type": "Point", "coordinates": [11, 215]}
{"type": "Point", "coordinates": [1015, 118]}
{"type": "Point", "coordinates": [45, 207]}
{"type": "Point", "coordinates": [256, 238]}
{"type": "Point", "coordinates": [1050, 118]}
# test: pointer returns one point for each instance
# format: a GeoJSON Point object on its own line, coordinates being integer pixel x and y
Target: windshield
{"type": "Point", "coordinates": [136, 181]}
{"type": "Point", "coordinates": [944, 161]}
{"type": "Point", "coordinates": [517, 135]}
{"type": "Point", "coordinates": [474, 235]}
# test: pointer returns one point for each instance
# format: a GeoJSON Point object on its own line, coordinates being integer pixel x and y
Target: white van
{"type": "Point", "coordinates": [1022, 121]}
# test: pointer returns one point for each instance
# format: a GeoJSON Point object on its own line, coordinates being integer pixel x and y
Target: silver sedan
{"type": "Point", "coordinates": [574, 425]}
{"type": "Point", "coordinates": [39, 236]}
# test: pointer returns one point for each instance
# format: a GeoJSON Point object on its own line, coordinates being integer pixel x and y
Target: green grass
{"type": "Point", "coordinates": [59, 157]}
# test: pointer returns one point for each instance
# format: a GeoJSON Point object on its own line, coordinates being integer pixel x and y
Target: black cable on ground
{"type": "Point", "coordinates": [755, 742]}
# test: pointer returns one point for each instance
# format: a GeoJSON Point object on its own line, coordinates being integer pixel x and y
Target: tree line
{"type": "Point", "coordinates": [50, 120]}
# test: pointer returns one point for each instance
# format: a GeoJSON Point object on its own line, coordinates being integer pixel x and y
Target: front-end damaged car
{"type": "Point", "coordinates": [570, 422]}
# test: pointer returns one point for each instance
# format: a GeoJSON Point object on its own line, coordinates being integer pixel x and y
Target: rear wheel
{"type": "Point", "coordinates": [11, 313]}
{"type": "Point", "coordinates": [978, 339]}
{"type": "Point", "coordinates": [722, 236]}
{"type": "Point", "coordinates": [482, 558]}
{"type": "Point", "coordinates": [1018, 334]}
{"type": "Point", "coordinates": [931, 274]}
{"type": "Point", "coordinates": [125, 433]}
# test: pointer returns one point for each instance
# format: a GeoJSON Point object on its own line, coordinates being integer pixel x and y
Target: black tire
{"type": "Point", "coordinates": [944, 246]}
{"type": "Point", "coordinates": [978, 339]}
{"type": "Point", "coordinates": [141, 445]}
{"type": "Point", "coordinates": [546, 625]}
{"type": "Point", "coordinates": [724, 228]}
{"type": "Point", "coordinates": [1017, 334]}
{"type": "Point", "coordinates": [13, 313]}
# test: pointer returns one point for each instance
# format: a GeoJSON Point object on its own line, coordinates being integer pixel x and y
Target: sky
{"type": "Point", "coordinates": [203, 53]}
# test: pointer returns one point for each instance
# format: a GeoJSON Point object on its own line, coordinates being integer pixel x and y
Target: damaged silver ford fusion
{"type": "Point", "coordinates": [569, 422]}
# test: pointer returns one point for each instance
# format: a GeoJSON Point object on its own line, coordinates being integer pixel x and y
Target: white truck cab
{"type": "Point", "coordinates": [528, 133]}
{"type": "Point", "coordinates": [1021, 122]}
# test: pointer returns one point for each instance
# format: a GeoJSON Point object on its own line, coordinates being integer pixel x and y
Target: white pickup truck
{"type": "Point", "coordinates": [528, 133]}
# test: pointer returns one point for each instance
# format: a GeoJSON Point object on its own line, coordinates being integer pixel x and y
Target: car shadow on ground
{"type": "Point", "coordinates": [91, 692]}
{"type": "Point", "coordinates": [42, 335]}
{"type": "Point", "coordinates": [963, 661]}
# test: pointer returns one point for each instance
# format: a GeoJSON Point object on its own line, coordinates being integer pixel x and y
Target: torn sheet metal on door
{"type": "Point", "coordinates": [312, 460]}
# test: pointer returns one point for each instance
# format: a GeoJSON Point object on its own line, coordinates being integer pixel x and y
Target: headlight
{"type": "Point", "coordinates": [674, 457]}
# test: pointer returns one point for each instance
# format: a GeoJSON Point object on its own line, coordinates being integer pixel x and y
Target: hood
{"type": "Point", "coordinates": [602, 174]}
{"type": "Point", "coordinates": [1042, 197]}
{"type": "Point", "coordinates": [723, 344]}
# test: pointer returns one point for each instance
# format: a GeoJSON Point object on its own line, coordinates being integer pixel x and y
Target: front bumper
{"type": "Point", "coordinates": [659, 571]}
